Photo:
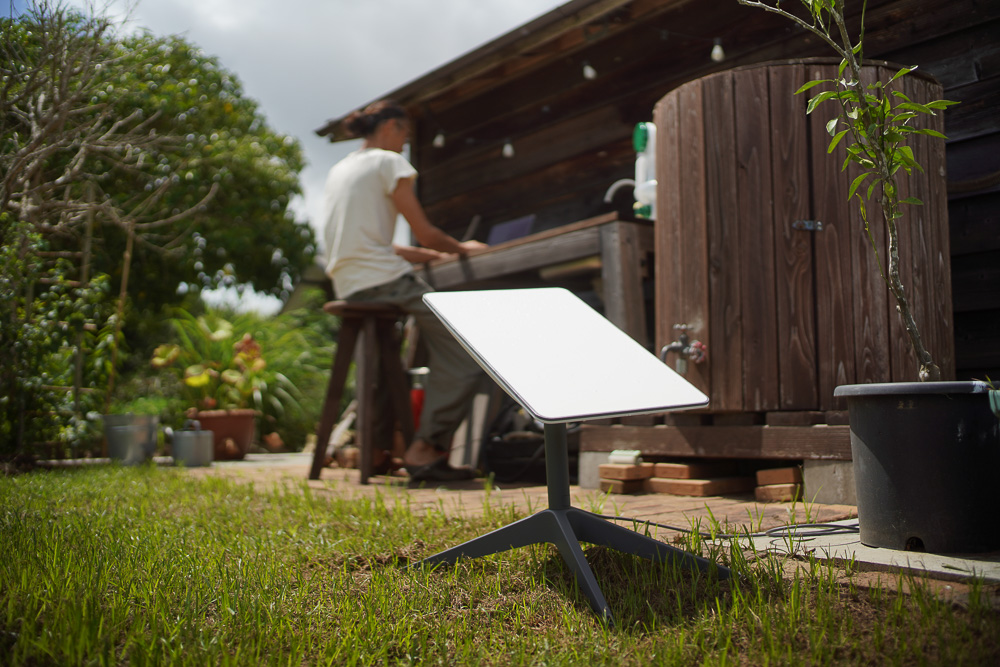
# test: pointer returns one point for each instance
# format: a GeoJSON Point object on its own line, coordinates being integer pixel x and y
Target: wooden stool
{"type": "Point", "coordinates": [373, 325]}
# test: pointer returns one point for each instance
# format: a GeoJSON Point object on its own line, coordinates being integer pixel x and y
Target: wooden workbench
{"type": "Point", "coordinates": [615, 248]}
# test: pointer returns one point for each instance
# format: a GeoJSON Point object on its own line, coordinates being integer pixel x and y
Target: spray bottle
{"type": "Point", "coordinates": [644, 142]}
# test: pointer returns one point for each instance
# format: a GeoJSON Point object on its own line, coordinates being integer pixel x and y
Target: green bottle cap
{"type": "Point", "coordinates": [640, 137]}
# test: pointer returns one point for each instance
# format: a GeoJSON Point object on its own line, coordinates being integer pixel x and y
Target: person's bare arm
{"type": "Point", "coordinates": [418, 255]}
{"type": "Point", "coordinates": [424, 230]}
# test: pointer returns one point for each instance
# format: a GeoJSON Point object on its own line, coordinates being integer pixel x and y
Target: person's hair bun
{"type": "Point", "coordinates": [363, 123]}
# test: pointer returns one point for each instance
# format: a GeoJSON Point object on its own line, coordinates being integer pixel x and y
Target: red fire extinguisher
{"type": "Point", "coordinates": [417, 393]}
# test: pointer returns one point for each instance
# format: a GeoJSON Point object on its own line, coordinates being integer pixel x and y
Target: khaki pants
{"type": "Point", "coordinates": [454, 376]}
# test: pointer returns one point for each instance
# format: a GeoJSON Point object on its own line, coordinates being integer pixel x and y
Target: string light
{"type": "Point", "coordinates": [589, 72]}
{"type": "Point", "coordinates": [508, 149]}
{"type": "Point", "coordinates": [438, 140]}
{"type": "Point", "coordinates": [718, 55]}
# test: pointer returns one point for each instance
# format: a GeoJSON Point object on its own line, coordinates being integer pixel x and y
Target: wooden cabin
{"type": "Point", "coordinates": [525, 141]}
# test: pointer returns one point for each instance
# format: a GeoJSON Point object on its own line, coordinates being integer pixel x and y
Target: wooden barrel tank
{"type": "Point", "coordinates": [759, 250]}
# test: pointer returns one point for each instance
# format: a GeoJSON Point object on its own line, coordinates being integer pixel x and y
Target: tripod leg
{"type": "Point", "coordinates": [595, 530]}
{"type": "Point", "coordinates": [568, 543]}
{"type": "Point", "coordinates": [530, 530]}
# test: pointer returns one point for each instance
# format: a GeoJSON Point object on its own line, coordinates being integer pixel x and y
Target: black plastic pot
{"type": "Point", "coordinates": [926, 465]}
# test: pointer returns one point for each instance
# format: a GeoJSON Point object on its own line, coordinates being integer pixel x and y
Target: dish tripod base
{"type": "Point", "coordinates": [566, 527]}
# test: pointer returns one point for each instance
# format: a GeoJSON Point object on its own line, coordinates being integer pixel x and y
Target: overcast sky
{"type": "Point", "coordinates": [306, 61]}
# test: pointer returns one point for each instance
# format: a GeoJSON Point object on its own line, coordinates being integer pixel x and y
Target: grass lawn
{"type": "Point", "coordinates": [154, 566]}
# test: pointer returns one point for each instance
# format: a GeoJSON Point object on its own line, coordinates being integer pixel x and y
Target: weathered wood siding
{"type": "Point", "coordinates": [572, 139]}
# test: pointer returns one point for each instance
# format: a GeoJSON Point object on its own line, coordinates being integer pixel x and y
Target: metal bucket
{"type": "Point", "coordinates": [149, 424]}
{"type": "Point", "coordinates": [192, 446]}
{"type": "Point", "coordinates": [127, 444]}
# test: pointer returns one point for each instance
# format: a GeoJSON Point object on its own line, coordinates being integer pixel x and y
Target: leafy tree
{"type": "Point", "coordinates": [145, 153]}
{"type": "Point", "coordinates": [156, 138]}
{"type": "Point", "coordinates": [244, 233]}
{"type": "Point", "coordinates": [42, 399]}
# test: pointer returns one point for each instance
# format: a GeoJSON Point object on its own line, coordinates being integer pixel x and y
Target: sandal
{"type": "Point", "coordinates": [438, 471]}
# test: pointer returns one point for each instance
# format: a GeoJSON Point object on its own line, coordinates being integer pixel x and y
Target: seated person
{"type": "Point", "coordinates": [364, 193]}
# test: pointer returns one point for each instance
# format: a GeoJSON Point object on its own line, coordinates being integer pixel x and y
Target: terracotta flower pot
{"type": "Point", "coordinates": [232, 431]}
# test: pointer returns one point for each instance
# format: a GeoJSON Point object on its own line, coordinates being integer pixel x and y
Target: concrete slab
{"type": "Point", "coordinates": [842, 544]}
{"type": "Point", "coordinates": [829, 482]}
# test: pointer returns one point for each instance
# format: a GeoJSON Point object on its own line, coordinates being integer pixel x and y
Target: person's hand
{"type": "Point", "coordinates": [468, 246]}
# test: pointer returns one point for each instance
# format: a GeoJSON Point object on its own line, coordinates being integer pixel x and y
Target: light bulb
{"type": "Point", "coordinates": [508, 149]}
{"type": "Point", "coordinates": [718, 55]}
{"type": "Point", "coordinates": [438, 140]}
{"type": "Point", "coordinates": [589, 72]}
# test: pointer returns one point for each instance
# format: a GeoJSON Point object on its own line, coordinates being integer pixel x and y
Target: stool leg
{"type": "Point", "coordinates": [366, 374]}
{"type": "Point", "coordinates": [394, 379]}
{"type": "Point", "coordinates": [346, 342]}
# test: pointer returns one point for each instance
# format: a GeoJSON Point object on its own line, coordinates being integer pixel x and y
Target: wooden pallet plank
{"type": "Point", "coordinates": [749, 442]}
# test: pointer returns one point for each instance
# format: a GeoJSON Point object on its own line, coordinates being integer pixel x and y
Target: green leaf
{"type": "Point", "coordinates": [831, 126]}
{"type": "Point", "coordinates": [811, 84]}
{"type": "Point", "coordinates": [941, 104]}
{"type": "Point", "coordinates": [857, 183]}
{"type": "Point", "coordinates": [836, 140]}
{"type": "Point", "coordinates": [913, 106]}
{"type": "Point", "coordinates": [931, 133]}
{"type": "Point", "coordinates": [902, 72]}
{"type": "Point", "coordinates": [819, 99]}
{"type": "Point", "coordinates": [911, 200]}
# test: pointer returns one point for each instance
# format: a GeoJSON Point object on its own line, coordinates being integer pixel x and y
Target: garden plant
{"type": "Point", "coordinates": [875, 119]}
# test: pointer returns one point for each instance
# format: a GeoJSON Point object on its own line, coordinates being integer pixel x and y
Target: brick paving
{"type": "Point", "coordinates": [469, 498]}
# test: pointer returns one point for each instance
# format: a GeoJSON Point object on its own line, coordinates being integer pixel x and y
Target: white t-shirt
{"type": "Point", "coordinates": [360, 218]}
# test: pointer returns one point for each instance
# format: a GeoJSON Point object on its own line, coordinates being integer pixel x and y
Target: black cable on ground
{"type": "Point", "coordinates": [798, 530]}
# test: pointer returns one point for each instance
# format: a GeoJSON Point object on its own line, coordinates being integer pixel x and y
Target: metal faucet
{"type": "Point", "coordinates": [686, 349]}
